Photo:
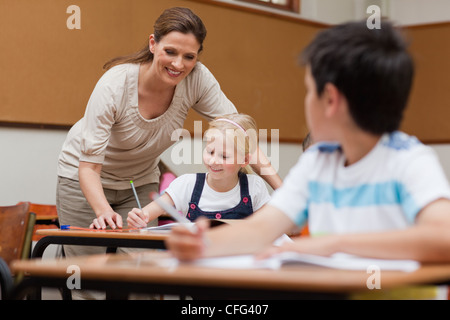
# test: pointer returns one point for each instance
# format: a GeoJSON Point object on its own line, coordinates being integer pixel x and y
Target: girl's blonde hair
{"type": "Point", "coordinates": [239, 129]}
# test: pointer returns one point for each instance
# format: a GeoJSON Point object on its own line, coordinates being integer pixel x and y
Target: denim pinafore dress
{"type": "Point", "coordinates": [242, 210]}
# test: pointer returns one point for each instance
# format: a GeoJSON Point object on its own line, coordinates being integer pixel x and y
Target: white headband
{"type": "Point", "coordinates": [233, 123]}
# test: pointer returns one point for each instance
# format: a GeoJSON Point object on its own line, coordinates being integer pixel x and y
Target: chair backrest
{"type": "Point", "coordinates": [15, 235]}
{"type": "Point", "coordinates": [46, 217]}
{"type": "Point", "coordinates": [46, 211]}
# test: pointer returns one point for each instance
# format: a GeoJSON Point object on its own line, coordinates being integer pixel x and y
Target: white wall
{"type": "Point", "coordinates": [403, 12]}
{"type": "Point", "coordinates": [411, 12]}
{"type": "Point", "coordinates": [28, 164]}
{"type": "Point", "coordinates": [29, 157]}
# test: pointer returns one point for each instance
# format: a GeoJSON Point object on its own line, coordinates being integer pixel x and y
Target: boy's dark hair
{"type": "Point", "coordinates": [370, 67]}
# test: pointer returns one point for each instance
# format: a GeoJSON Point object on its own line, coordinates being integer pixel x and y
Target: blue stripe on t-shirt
{"type": "Point", "coordinates": [325, 147]}
{"type": "Point", "coordinates": [301, 217]}
{"type": "Point", "coordinates": [400, 141]}
{"type": "Point", "coordinates": [376, 194]}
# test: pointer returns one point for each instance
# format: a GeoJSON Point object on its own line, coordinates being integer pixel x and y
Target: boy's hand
{"type": "Point", "coordinates": [187, 245]}
{"type": "Point", "coordinates": [322, 246]}
{"type": "Point", "coordinates": [137, 218]}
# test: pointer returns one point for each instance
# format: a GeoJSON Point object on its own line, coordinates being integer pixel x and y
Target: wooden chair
{"type": "Point", "coordinates": [16, 229]}
{"type": "Point", "coordinates": [46, 218]}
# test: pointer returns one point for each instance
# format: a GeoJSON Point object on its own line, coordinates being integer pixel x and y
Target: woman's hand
{"type": "Point", "coordinates": [91, 186]}
{"type": "Point", "coordinates": [137, 218]}
{"type": "Point", "coordinates": [111, 218]}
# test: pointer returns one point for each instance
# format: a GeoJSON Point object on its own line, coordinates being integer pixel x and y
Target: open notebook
{"type": "Point", "coordinates": [337, 261]}
{"type": "Point", "coordinates": [168, 226]}
{"type": "Point", "coordinates": [213, 223]}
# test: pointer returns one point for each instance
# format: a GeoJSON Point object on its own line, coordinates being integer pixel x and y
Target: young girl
{"type": "Point", "coordinates": [225, 191]}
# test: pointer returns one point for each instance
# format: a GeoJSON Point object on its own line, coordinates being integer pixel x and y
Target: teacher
{"type": "Point", "coordinates": [133, 110]}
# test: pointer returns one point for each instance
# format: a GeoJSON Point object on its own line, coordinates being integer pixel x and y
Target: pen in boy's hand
{"type": "Point", "coordinates": [135, 194]}
{"type": "Point", "coordinates": [173, 212]}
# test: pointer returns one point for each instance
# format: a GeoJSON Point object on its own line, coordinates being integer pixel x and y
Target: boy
{"type": "Point", "coordinates": [373, 191]}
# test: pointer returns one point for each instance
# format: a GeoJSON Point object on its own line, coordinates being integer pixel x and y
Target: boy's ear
{"type": "Point", "coordinates": [332, 98]}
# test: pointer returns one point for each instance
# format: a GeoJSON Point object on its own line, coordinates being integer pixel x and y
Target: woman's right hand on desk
{"type": "Point", "coordinates": [111, 218]}
{"type": "Point", "coordinates": [184, 244]}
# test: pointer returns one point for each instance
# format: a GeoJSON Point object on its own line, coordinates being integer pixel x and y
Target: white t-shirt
{"type": "Point", "coordinates": [385, 190]}
{"type": "Point", "coordinates": [113, 132]}
{"type": "Point", "coordinates": [180, 190]}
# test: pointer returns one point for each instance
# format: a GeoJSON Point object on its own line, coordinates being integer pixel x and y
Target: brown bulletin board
{"type": "Point", "coordinates": [47, 72]}
{"type": "Point", "coordinates": [428, 113]}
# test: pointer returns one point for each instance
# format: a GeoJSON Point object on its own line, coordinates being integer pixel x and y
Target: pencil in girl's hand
{"type": "Point", "coordinates": [135, 194]}
{"type": "Point", "coordinates": [173, 212]}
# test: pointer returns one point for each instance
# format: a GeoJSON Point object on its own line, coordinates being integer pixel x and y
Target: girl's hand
{"type": "Point", "coordinates": [137, 218]}
{"type": "Point", "coordinates": [111, 218]}
{"type": "Point", "coordinates": [184, 244]}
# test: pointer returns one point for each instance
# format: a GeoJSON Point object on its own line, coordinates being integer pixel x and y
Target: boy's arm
{"type": "Point", "coordinates": [426, 241]}
{"type": "Point", "coordinates": [250, 235]}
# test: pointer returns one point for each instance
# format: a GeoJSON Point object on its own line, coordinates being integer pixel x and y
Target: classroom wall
{"type": "Point", "coordinates": [403, 12]}
{"type": "Point", "coordinates": [36, 48]}
{"type": "Point", "coordinates": [28, 169]}
{"type": "Point", "coordinates": [57, 67]}
{"type": "Point", "coordinates": [412, 12]}
{"type": "Point", "coordinates": [48, 71]}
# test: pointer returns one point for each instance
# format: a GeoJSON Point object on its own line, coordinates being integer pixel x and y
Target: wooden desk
{"type": "Point", "coordinates": [145, 272]}
{"type": "Point", "coordinates": [109, 239]}
{"type": "Point", "coordinates": [112, 239]}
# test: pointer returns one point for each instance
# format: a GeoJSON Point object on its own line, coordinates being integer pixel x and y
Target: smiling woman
{"type": "Point", "coordinates": [174, 57]}
{"type": "Point", "coordinates": [177, 19]}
